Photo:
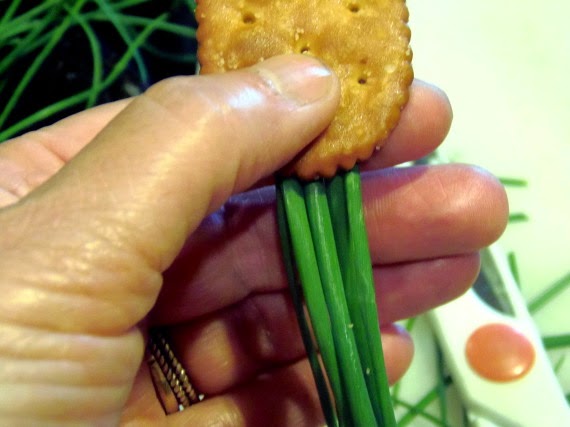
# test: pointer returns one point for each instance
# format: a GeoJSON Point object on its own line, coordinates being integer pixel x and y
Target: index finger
{"type": "Point", "coordinates": [422, 127]}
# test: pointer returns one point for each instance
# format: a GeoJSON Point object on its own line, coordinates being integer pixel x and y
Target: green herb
{"type": "Point", "coordinates": [10, 11]}
{"type": "Point", "coordinates": [513, 182]}
{"type": "Point", "coordinates": [16, 25]}
{"type": "Point", "coordinates": [359, 284]}
{"type": "Point", "coordinates": [141, 21]}
{"type": "Point", "coordinates": [420, 412]}
{"type": "Point", "coordinates": [513, 266]}
{"type": "Point", "coordinates": [342, 325]}
{"type": "Point", "coordinates": [441, 385]}
{"type": "Point", "coordinates": [32, 40]}
{"type": "Point", "coordinates": [559, 364]}
{"type": "Point", "coordinates": [547, 295]}
{"type": "Point", "coordinates": [96, 54]}
{"type": "Point", "coordinates": [324, 239]}
{"type": "Point", "coordinates": [304, 326]}
{"type": "Point", "coordinates": [303, 253]}
{"type": "Point", "coordinates": [80, 97]}
{"type": "Point", "coordinates": [518, 217]}
{"type": "Point", "coordinates": [556, 341]}
{"type": "Point", "coordinates": [30, 33]}
{"type": "Point", "coordinates": [422, 404]}
{"type": "Point", "coordinates": [117, 21]}
{"type": "Point", "coordinates": [36, 64]}
{"type": "Point", "coordinates": [409, 325]}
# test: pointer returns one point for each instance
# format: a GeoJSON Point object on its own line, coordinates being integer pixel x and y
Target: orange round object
{"type": "Point", "coordinates": [499, 352]}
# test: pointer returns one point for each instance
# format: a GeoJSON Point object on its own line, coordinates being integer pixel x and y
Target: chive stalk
{"type": "Point", "coordinates": [96, 54]}
{"type": "Point", "coordinates": [115, 73]}
{"type": "Point", "coordinates": [549, 293]}
{"type": "Point", "coordinates": [289, 263]}
{"type": "Point", "coordinates": [36, 64]}
{"type": "Point", "coordinates": [342, 324]}
{"type": "Point", "coordinates": [117, 20]}
{"type": "Point", "coordinates": [304, 252]}
{"type": "Point", "coordinates": [15, 25]}
{"type": "Point", "coordinates": [10, 11]}
{"type": "Point", "coordinates": [323, 222]}
{"type": "Point", "coordinates": [556, 341]}
{"type": "Point", "coordinates": [24, 45]}
{"type": "Point", "coordinates": [362, 299]}
{"type": "Point", "coordinates": [422, 404]}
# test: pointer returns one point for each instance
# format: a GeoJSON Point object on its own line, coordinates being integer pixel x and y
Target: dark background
{"type": "Point", "coordinates": [69, 67]}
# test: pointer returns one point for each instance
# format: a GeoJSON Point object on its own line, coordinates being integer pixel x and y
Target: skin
{"type": "Point", "coordinates": [134, 214]}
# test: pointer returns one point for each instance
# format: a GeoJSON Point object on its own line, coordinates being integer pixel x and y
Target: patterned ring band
{"type": "Point", "coordinates": [172, 385]}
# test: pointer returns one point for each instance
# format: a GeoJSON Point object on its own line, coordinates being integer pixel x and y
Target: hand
{"type": "Point", "coordinates": [112, 222]}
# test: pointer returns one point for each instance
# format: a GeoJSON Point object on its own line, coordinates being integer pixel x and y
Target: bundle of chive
{"type": "Point", "coordinates": [328, 265]}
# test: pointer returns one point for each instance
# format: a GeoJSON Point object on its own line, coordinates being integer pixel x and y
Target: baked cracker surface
{"type": "Point", "coordinates": [365, 42]}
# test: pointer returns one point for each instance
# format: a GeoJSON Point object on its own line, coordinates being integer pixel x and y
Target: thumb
{"type": "Point", "coordinates": [88, 247]}
{"type": "Point", "coordinates": [82, 255]}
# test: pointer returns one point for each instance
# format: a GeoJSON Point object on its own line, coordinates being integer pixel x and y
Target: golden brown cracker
{"type": "Point", "coordinates": [365, 42]}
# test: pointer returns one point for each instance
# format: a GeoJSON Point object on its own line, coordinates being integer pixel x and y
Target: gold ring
{"type": "Point", "coordinates": [172, 385]}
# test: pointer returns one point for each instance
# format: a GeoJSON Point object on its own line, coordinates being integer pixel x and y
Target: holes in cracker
{"type": "Point", "coordinates": [248, 18]}
{"type": "Point", "coordinates": [354, 7]}
{"type": "Point", "coordinates": [363, 77]}
{"type": "Point", "coordinates": [304, 49]}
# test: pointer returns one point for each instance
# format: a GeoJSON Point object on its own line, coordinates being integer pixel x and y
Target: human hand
{"type": "Point", "coordinates": [112, 223]}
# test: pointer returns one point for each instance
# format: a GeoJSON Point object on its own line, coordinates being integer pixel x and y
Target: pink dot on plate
{"type": "Point", "coordinates": [499, 352]}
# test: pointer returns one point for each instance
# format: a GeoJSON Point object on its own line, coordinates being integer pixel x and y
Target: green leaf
{"type": "Point", "coordinates": [549, 293]}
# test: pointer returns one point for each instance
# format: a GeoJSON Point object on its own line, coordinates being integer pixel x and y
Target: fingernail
{"type": "Point", "coordinates": [303, 79]}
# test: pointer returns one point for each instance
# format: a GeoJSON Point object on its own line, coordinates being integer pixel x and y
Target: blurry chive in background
{"type": "Point", "coordinates": [505, 72]}
{"type": "Point", "coordinates": [58, 57]}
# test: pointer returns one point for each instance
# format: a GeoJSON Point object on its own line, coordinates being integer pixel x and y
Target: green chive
{"type": "Point", "coordinates": [15, 26]}
{"type": "Point", "coordinates": [417, 412]}
{"type": "Point", "coordinates": [556, 341]}
{"type": "Point", "coordinates": [96, 55]}
{"type": "Point", "coordinates": [29, 41]}
{"type": "Point", "coordinates": [306, 263]}
{"type": "Point", "coordinates": [10, 11]}
{"type": "Point", "coordinates": [117, 20]}
{"type": "Point", "coordinates": [513, 266]}
{"type": "Point", "coordinates": [287, 250]}
{"type": "Point", "coordinates": [441, 385]}
{"type": "Point", "coordinates": [115, 73]}
{"type": "Point", "coordinates": [550, 292]}
{"type": "Point", "coordinates": [422, 404]}
{"type": "Point", "coordinates": [336, 197]}
{"type": "Point", "coordinates": [141, 21]}
{"type": "Point", "coordinates": [518, 217]}
{"type": "Point", "coordinates": [362, 302]}
{"type": "Point", "coordinates": [342, 325]}
{"type": "Point", "coordinates": [559, 364]}
{"type": "Point", "coordinates": [34, 67]}
{"type": "Point", "coordinates": [513, 182]}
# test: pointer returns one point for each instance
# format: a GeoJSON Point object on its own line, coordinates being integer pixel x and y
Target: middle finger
{"type": "Point", "coordinates": [412, 215]}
